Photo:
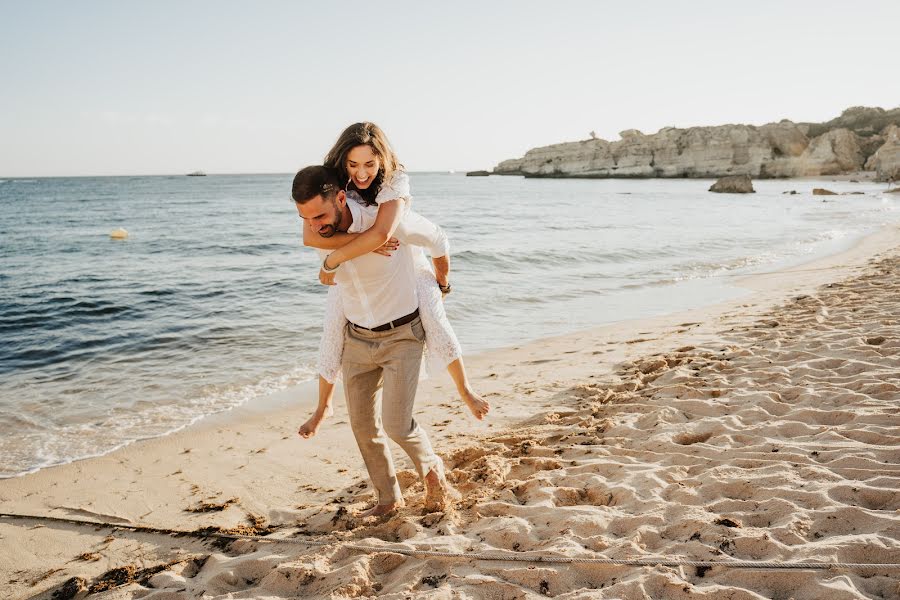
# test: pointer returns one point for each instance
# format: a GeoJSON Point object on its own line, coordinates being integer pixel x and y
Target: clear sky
{"type": "Point", "coordinates": [111, 87]}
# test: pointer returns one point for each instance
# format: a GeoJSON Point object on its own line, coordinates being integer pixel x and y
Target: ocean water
{"type": "Point", "coordinates": [212, 301]}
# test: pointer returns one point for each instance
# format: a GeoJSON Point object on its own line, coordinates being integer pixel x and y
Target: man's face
{"type": "Point", "coordinates": [324, 216]}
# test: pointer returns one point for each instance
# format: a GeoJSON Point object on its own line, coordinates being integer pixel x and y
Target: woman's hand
{"type": "Point", "coordinates": [326, 278]}
{"type": "Point", "coordinates": [388, 247]}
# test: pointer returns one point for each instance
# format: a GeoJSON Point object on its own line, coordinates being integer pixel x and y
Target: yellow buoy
{"type": "Point", "coordinates": [118, 234]}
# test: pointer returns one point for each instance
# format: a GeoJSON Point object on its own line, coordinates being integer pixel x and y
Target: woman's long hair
{"type": "Point", "coordinates": [363, 134]}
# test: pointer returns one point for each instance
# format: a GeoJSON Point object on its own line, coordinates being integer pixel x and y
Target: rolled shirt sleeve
{"type": "Point", "coordinates": [416, 230]}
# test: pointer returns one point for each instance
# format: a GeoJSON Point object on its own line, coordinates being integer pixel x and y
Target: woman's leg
{"type": "Point", "coordinates": [478, 405]}
{"type": "Point", "coordinates": [441, 341]}
{"type": "Point", "coordinates": [324, 409]}
{"type": "Point", "coordinates": [331, 348]}
{"type": "Point", "coordinates": [331, 344]}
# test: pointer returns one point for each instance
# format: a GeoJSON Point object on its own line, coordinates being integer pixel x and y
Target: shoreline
{"type": "Point", "coordinates": [252, 454]}
{"type": "Point", "coordinates": [284, 400]}
{"type": "Point", "coordinates": [725, 287]}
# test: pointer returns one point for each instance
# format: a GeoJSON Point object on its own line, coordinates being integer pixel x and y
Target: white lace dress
{"type": "Point", "coordinates": [441, 345]}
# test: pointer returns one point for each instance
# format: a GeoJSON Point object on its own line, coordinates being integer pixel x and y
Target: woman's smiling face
{"type": "Point", "coordinates": [362, 166]}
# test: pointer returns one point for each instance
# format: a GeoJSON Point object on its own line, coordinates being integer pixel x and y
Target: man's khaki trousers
{"type": "Point", "coordinates": [389, 360]}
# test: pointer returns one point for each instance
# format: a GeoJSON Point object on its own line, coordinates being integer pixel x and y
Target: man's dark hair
{"type": "Point", "coordinates": [310, 182]}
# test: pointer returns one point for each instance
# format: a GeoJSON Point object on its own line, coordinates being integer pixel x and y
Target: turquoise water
{"type": "Point", "coordinates": [212, 302]}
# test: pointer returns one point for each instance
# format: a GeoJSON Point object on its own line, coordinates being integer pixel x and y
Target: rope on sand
{"type": "Point", "coordinates": [488, 556]}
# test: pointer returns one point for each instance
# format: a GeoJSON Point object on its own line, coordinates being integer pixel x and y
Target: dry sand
{"type": "Point", "coordinates": [759, 429]}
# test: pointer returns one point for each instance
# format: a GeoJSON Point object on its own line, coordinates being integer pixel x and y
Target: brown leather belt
{"type": "Point", "coordinates": [393, 324]}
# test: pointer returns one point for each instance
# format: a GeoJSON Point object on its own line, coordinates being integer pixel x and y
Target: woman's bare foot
{"type": "Point", "coordinates": [311, 427]}
{"type": "Point", "coordinates": [478, 405]}
{"type": "Point", "coordinates": [379, 510]}
{"type": "Point", "coordinates": [439, 494]}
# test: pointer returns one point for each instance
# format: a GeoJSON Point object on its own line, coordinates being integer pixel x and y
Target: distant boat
{"type": "Point", "coordinates": [197, 174]}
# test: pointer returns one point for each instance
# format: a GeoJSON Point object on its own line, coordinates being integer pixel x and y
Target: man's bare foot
{"type": "Point", "coordinates": [379, 510]}
{"type": "Point", "coordinates": [439, 494]}
{"type": "Point", "coordinates": [311, 427]}
{"type": "Point", "coordinates": [478, 405]}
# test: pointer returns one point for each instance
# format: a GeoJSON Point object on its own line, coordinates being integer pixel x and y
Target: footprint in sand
{"type": "Point", "coordinates": [686, 439]}
{"type": "Point", "coordinates": [866, 497]}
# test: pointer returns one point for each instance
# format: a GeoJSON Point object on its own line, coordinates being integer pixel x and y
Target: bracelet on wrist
{"type": "Point", "coordinates": [325, 266]}
{"type": "Point", "coordinates": [445, 289]}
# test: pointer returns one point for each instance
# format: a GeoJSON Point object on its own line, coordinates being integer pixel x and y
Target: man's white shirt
{"type": "Point", "coordinates": [377, 289]}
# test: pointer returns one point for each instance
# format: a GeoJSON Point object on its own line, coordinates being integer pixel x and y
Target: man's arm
{"type": "Point", "coordinates": [442, 269]}
{"type": "Point", "coordinates": [416, 230]}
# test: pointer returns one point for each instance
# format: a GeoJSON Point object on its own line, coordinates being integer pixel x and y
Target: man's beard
{"type": "Point", "coordinates": [332, 228]}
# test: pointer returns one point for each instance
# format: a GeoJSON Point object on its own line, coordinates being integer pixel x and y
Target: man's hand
{"type": "Point", "coordinates": [388, 247]}
{"type": "Point", "coordinates": [326, 278]}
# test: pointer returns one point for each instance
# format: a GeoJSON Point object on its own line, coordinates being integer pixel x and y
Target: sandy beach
{"type": "Point", "coordinates": [761, 429]}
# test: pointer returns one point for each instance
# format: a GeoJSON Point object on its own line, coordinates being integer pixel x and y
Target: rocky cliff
{"type": "Point", "coordinates": [783, 149]}
{"type": "Point", "coordinates": [886, 160]}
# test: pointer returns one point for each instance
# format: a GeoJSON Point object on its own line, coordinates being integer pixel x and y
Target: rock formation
{"type": "Point", "coordinates": [733, 184]}
{"type": "Point", "coordinates": [864, 121]}
{"type": "Point", "coordinates": [783, 149]}
{"type": "Point", "coordinates": [886, 160]}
